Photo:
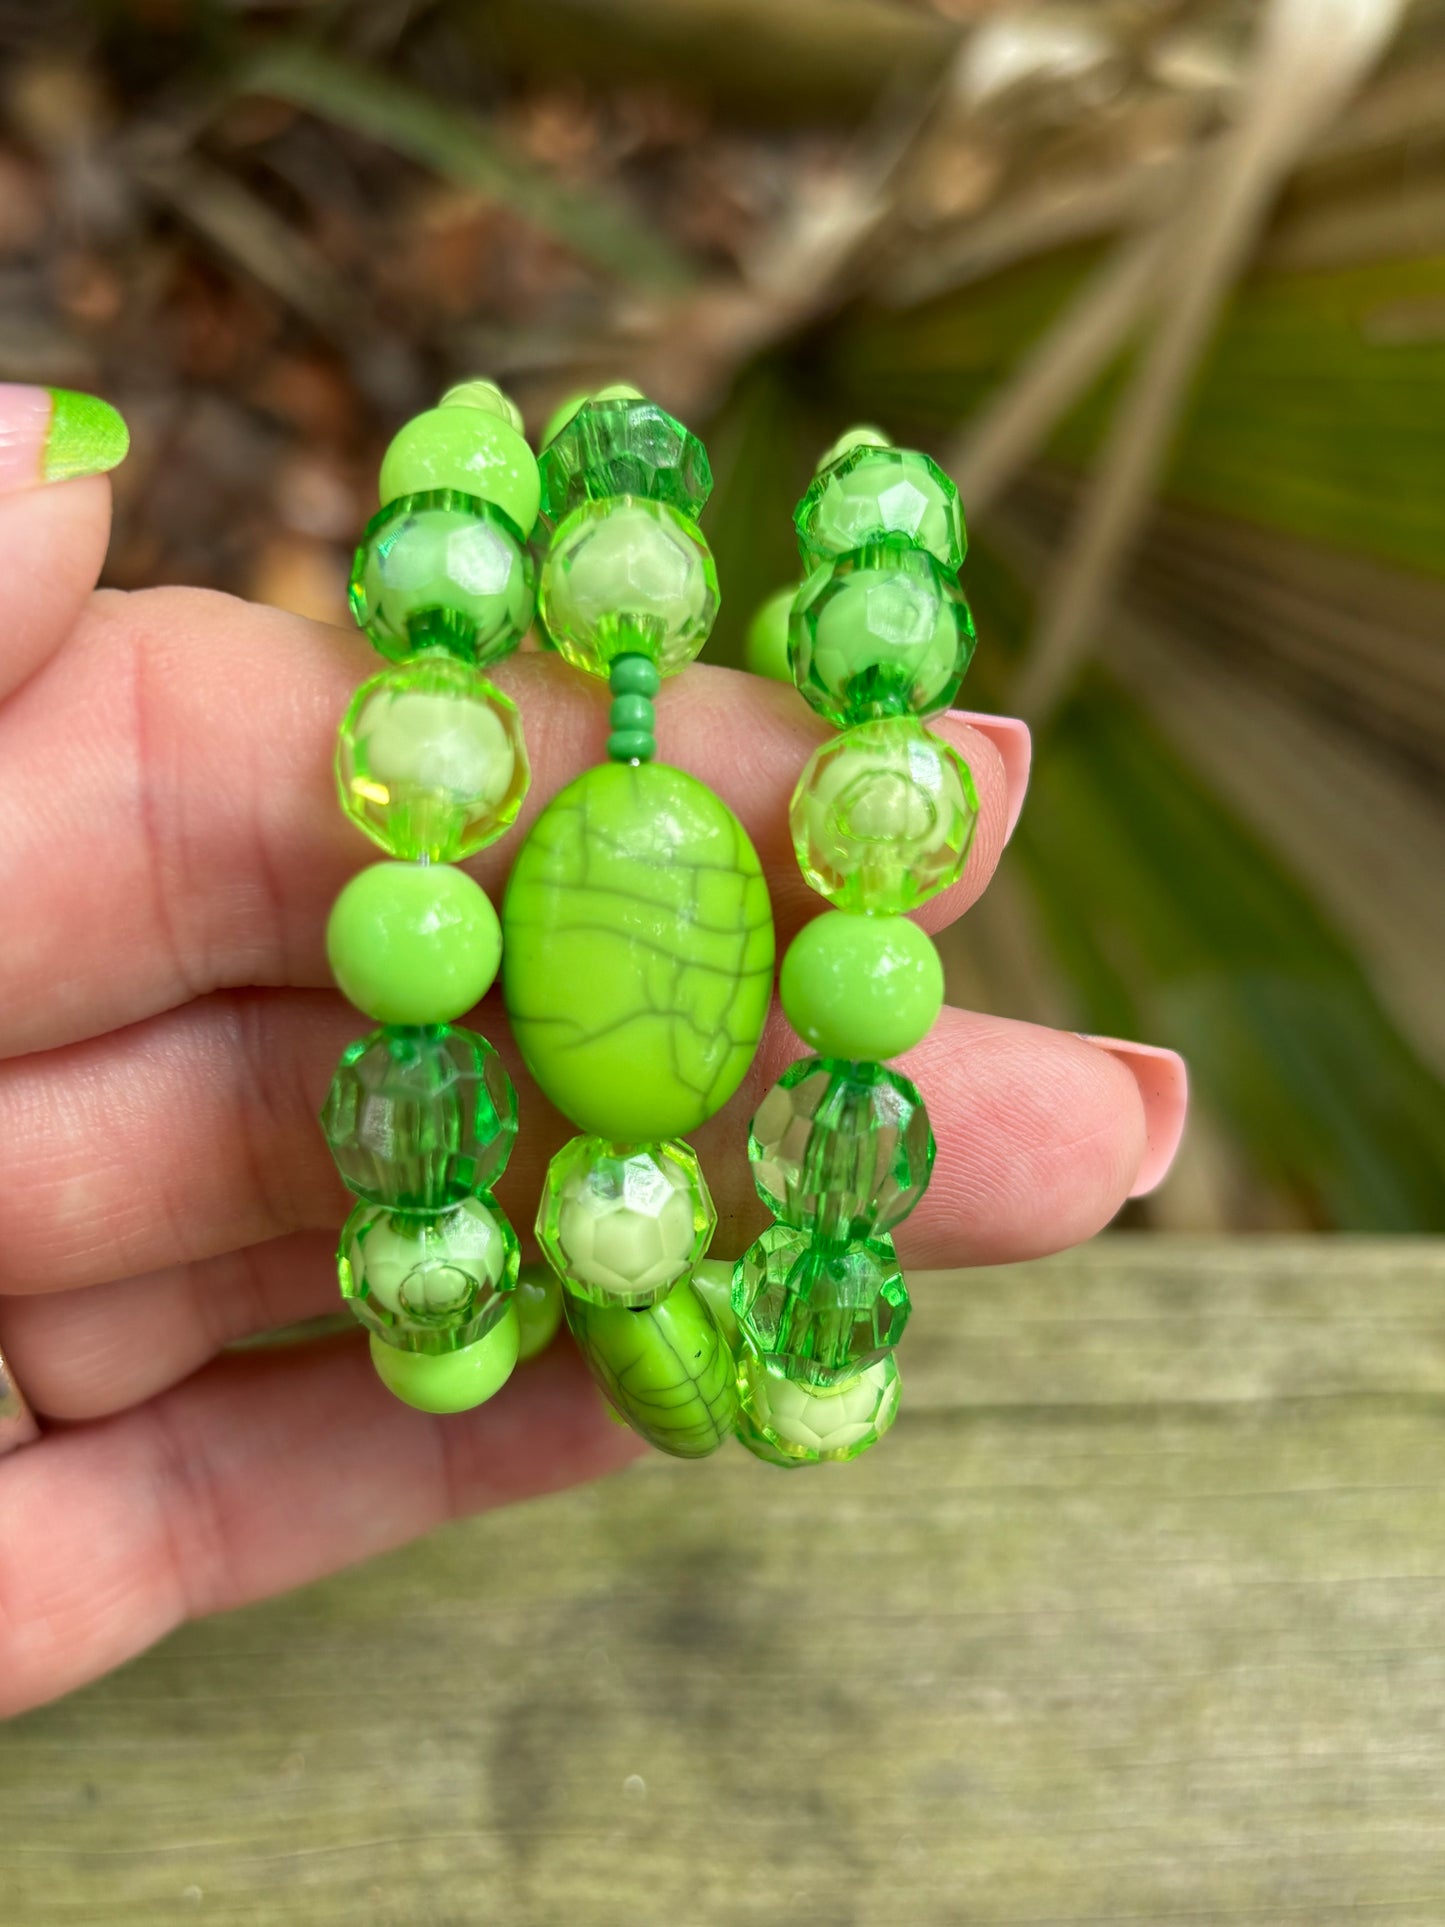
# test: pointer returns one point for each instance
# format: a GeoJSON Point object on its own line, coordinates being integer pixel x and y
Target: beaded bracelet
{"type": "Point", "coordinates": [636, 940]}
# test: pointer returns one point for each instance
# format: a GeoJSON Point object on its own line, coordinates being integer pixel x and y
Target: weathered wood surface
{"type": "Point", "coordinates": [1138, 1617]}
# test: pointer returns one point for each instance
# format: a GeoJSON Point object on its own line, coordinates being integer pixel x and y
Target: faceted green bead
{"type": "Point", "coordinates": [752, 1440]}
{"type": "Point", "coordinates": [841, 1150]}
{"type": "Point", "coordinates": [882, 631]}
{"type": "Point", "coordinates": [820, 1425]}
{"type": "Point", "coordinates": [624, 445]}
{"type": "Point", "coordinates": [468, 449]}
{"type": "Point", "coordinates": [861, 987]}
{"type": "Point", "coordinates": [628, 577]}
{"type": "Point", "coordinates": [620, 1224]}
{"type": "Point", "coordinates": [442, 570]}
{"type": "Point", "coordinates": [538, 1305]}
{"type": "Point", "coordinates": [417, 1119]}
{"type": "Point", "coordinates": [765, 646]}
{"type": "Point", "coordinates": [487, 396]}
{"type": "Point", "coordinates": [864, 435]}
{"type": "Point", "coordinates": [449, 1381]}
{"type": "Point", "coordinates": [432, 1282]}
{"type": "Point", "coordinates": [819, 1313]}
{"type": "Point", "coordinates": [665, 1369]}
{"type": "Point", "coordinates": [883, 816]}
{"type": "Point", "coordinates": [431, 762]}
{"type": "Point", "coordinates": [413, 943]}
{"type": "Point", "coordinates": [870, 493]}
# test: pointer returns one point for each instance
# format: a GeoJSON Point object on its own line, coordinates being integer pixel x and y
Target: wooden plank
{"type": "Point", "coordinates": [1137, 1617]}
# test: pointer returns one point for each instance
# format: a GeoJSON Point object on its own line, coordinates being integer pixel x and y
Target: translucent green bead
{"type": "Point", "coordinates": [665, 1369]}
{"type": "Point", "coordinates": [442, 570]}
{"type": "Point", "coordinates": [620, 1224]}
{"type": "Point", "coordinates": [883, 816]}
{"type": "Point", "coordinates": [538, 1305]}
{"type": "Point", "coordinates": [487, 396]}
{"type": "Point", "coordinates": [820, 1425]}
{"type": "Point", "coordinates": [468, 449]}
{"type": "Point", "coordinates": [861, 987]}
{"type": "Point", "coordinates": [449, 1381]}
{"type": "Point", "coordinates": [841, 1150]}
{"type": "Point", "coordinates": [752, 1440]}
{"type": "Point", "coordinates": [869, 493]}
{"type": "Point", "coordinates": [628, 577]}
{"type": "Point", "coordinates": [883, 631]}
{"type": "Point", "coordinates": [621, 444]}
{"type": "Point", "coordinates": [819, 1313]}
{"type": "Point", "coordinates": [413, 943]}
{"type": "Point", "coordinates": [417, 1119]}
{"type": "Point", "coordinates": [432, 1282]}
{"type": "Point", "coordinates": [765, 646]}
{"type": "Point", "coordinates": [430, 761]}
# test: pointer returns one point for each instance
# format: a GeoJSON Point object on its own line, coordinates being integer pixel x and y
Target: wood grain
{"type": "Point", "coordinates": [1139, 1616]}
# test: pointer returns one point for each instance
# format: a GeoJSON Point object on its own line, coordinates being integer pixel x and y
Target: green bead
{"type": "Point", "coordinates": [433, 1282]}
{"type": "Point", "coordinates": [633, 676]}
{"type": "Point", "coordinates": [419, 1118]}
{"type": "Point", "coordinates": [869, 493]}
{"type": "Point", "coordinates": [749, 1437]}
{"type": "Point", "coordinates": [621, 1224]}
{"type": "Point", "coordinates": [487, 396]}
{"type": "Point", "coordinates": [883, 631]}
{"type": "Point", "coordinates": [865, 435]}
{"type": "Point", "coordinates": [639, 952]}
{"type": "Point", "coordinates": [620, 444]}
{"type": "Point", "coordinates": [560, 416]}
{"type": "Point", "coordinates": [821, 1314]}
{"type": "Point", "coordinates": [883, 816]}
{"type": "Point", "coordinates": [628, 577]}
{"type": "Point", "coordinates": [618, 391]}
{"type": "Point", "coordinates": [861, 987]}
{"type": "Point", "coordinates": [431, 762]}
{"type": "Point", "coordinates": [631, 746]}
{"type": "Point", "coordinates": [841, 1150]}
{"type": "Point", "coordinates": [712, 1280]}
{"type": "Point", "coordinates": [413, 943]}
{"type": "Point", "coordinates": [537, 1302]}
{"type": "Point", "coordinates": [469, 449]}
{"type": "Point", "coordinates": [443, 571]}
{"type": "Point", "coordinates": [665, 1369]}
{"type": "Point", "coordinates": [765, 646]}
{"type": "Point", "coordinates": [820, 1425]}
{"type": "Point", "coordinates": [449, 1381]}
{"type": "Point", "coordinates": [632, 712]}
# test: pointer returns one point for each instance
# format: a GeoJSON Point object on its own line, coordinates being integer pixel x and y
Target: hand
{"type": "Point", "coordinates": [167, 1032]}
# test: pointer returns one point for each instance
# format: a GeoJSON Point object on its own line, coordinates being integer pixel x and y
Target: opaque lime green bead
{"type": "Point", "coordinates": [450, 1381]}
{"type": "Point", "coordinates": [537, 1302]}
{"type": "Point", "coordinates": [488, 397]}
{"type": "Point", "coordinates": [864, 435]}
{"type": "Point", "coordinates": [560, 416]}
{"type": "Point", "coordinates": [413, 943]}
{"type": "Point", "coordinates": [861, 987]}
{"type": "Point", "coordinates": [467, 449]}
{"type": "Point", "coordinates": [765, 647]}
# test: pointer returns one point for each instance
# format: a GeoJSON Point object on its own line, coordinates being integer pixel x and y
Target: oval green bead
{"type": "Point", "coordinates": [450, 1381]}
{"type": "Point", "coordinates": [765, 646]}
{"type": "Point", "coordinates": [861, 987]}
{"type": "Point", "coordinates": [537, 1302]}
{"type": "Point", "coordinates": [639, 952]}
{"type": "Point", "coordinates": [666, 1369]}
{"type": "Point", "coordinates": [413, 943]}
{"type": "Point", "coordinates": [468, 449]}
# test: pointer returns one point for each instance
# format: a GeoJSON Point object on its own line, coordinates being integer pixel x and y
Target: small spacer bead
{"type": "Point", "coordinates": [631, 746]}
{"type": "Point", "coordinates": [634, 675]}
{"type": "Point", "coordinates": [632, 712]}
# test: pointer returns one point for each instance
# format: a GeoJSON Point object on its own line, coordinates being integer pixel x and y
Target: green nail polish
{"type": "Point", "coordinates": [86, 436]}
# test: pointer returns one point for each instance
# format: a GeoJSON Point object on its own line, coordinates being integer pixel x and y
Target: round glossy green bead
{"type": "Point", "coordinates": [631, 746]}
{"type": "Point", "coordinates": [413, 943]}
{"type": "Point", "coordinates": [450, 1381]}
{"type": "Point", "coordinates": [467, 449]}
{"type": "Point", "coordinates": [537, 1302]}
{"type": "Point", "coordinates": [632, 712]}
{"type": "Point", "coordinates": [765, 647]}
{"type": "Point", "coordinates": [633, 676]}
{"type": "Point", "coordinates": [619, 391]}
{"type": "Point", "coordinates": [861, 987]}
{"type": "Point", "coordinates": [488, 397]}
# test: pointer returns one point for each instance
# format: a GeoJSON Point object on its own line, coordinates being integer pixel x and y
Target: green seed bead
{"type": "Point", "coordinates": [413, 943]}
{"type": "Point", "coordinates": [450, 1381]}
{"type": "Point", "coordinates": [537, 1302]}
{"type": "Point", "coordinates": [489, 398]}
{"type": "Point", "coordinates": [765, 647]}
{"type": "Point", "coordinates": [861, 987]}
{"type": "Point", "coordinates": [634, 676]}
{"type": "Point", "coordinates": [632, 712]}
{"type": "Point", "coordinates": [631, 746]}
{"type": "Point", "coordinates": [467, 449]}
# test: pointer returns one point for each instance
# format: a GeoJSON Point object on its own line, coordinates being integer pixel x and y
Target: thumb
{"type": "Point", "coordinates": [54, 516]}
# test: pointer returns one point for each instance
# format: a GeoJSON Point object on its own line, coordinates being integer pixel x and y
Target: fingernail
{"type": "Point", "coordinates": [1163, 1080]}
{"type": "Point", "coordinates": [1010, 737]}
{"type": "Point", "coordinates": [52, 434]}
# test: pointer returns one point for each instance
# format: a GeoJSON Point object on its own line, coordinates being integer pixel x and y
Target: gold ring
{"type": "Point", "coordinates": [17, 1421]}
